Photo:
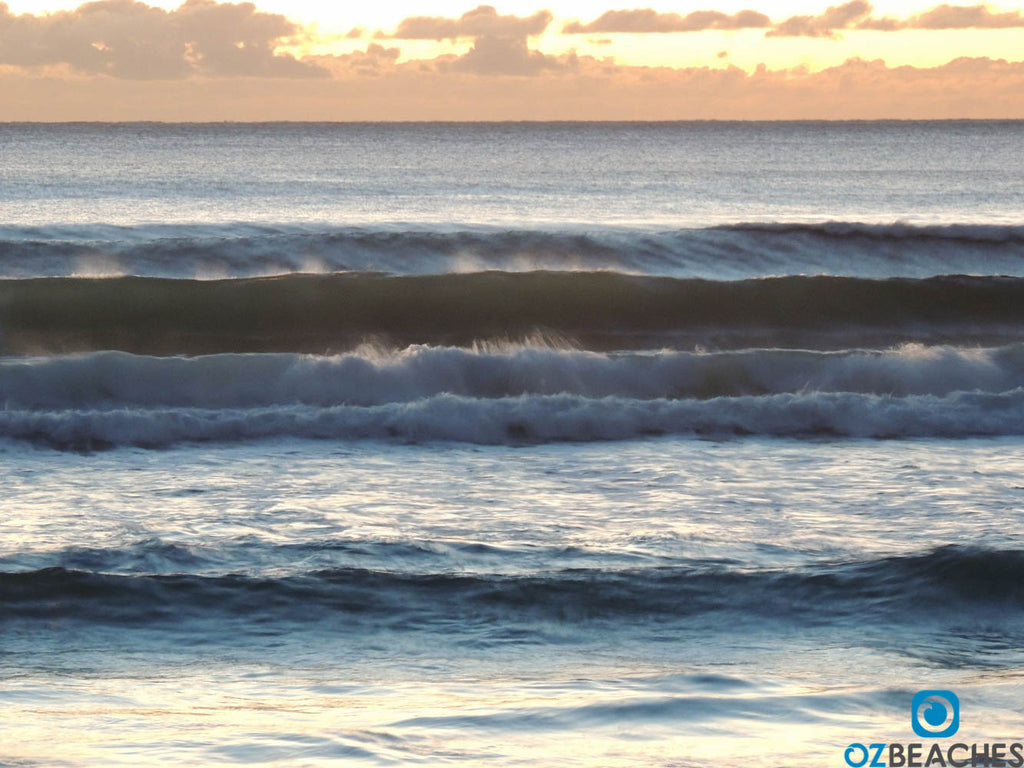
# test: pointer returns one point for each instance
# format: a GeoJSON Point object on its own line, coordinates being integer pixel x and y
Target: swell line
{"type": "Point", "coordinates": [726, 252]}
{"type": "Point", "coordinates": [914, 585]}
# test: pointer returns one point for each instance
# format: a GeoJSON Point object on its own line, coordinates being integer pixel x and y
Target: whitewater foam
{"type": "Point", "coordinates": [535, 419]}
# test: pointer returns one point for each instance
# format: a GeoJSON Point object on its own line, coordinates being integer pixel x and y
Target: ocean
{"type": "Point", "coordinates": [610, 444]}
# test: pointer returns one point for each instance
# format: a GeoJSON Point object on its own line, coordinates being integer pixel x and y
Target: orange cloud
{"type": "Point", "coordinates": [824, 25]}
{"type": "Point", "coordinates": [966, 17]}
{"type": "Point", "coordinates": [209, 61]}
{"type": "Point", "coordinates": [496, 55]}
{"type": "Point", "coordinates": [374, 61]}
{"type": "Point", "coordinates": [950, 17]}
{"type": "Point", "coordinates": [855, 14]}
{"type": "Point", "coordinates": [129, 39]}
{"type": "Point", "coordinates": [499, 42]}
{"type": "Point", "coordinates": [481, 21]}
{"type": "Point", "coordinates": [648, 20]}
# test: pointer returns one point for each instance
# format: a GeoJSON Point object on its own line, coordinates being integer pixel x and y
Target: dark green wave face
{"type": "Point", "coordinates": [599, 310]}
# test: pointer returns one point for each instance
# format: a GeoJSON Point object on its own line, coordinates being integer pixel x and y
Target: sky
{"type": "Point", "coordinates": [449, 60]}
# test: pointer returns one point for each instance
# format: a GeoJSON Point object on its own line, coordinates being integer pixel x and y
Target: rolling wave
{"type": "Point", "coordinates": [373, 376]}
{"type": "Point", "coordinates": [600, 310]}
{"type": "Point", "coordinates": [903, 587]}
{"type": "Point", "coordinates": [729, 252]}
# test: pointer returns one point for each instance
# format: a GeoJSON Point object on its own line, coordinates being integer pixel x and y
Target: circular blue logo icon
{"type": "Point", "coordinates": [935, 714]}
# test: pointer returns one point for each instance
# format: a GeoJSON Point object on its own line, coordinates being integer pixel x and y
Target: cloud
{"type": "Point", "coordinates": [835, 17]}
{"type": "Point", "coordinates": [647, 20]}
{"type": "Point", "coordinates": [500, 43]}
{"type": "Point", "coordinates": [966, 17]}
{"type": "Point", "coordinates": [498, 55]}
{"type": "Point", "coordinates": [202, 40]}
{"type": "Point", "coordinates": [857, 15]}
{"type": "Point", "coordinates": [374, 61]}
{"type": "Point", "coordinates": [887, 24]}
{"type": "Point", "coordinates": [129, 39]}
{"type": "Point", "coordinates": [481, 21]}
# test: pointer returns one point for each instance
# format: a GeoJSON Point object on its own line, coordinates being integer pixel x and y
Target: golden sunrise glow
{"type": "Point", "coordinates": [132, 60]}
{"type": "Point", "coordinates": [327, 34]}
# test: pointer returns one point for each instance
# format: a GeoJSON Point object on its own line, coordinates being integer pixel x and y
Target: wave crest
{"type": "Point", "coordinates": [373, 375]}
{"type": "Point", "coordinates": [895, 587]}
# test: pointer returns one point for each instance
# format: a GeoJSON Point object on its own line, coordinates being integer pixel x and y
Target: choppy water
{"type": "Point", "coordinates": [669, 445]}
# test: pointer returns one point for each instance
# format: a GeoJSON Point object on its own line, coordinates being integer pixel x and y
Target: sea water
{"type": "Point", "coordinates": [508, 444]}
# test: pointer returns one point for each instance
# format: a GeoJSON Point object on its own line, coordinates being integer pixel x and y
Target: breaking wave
{"type": "Point", "coordinates": [372, 376]}
{"type": "Point", "coordinates": [730, 252]}
{"type": "Point", "coordinates": [533, 418]}
{"type": "Point", "coordinates": [319, 313]}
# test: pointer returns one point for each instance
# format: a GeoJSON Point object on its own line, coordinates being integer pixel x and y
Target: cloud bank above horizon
{"type": "Point", "coordinates": [209, 60]}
